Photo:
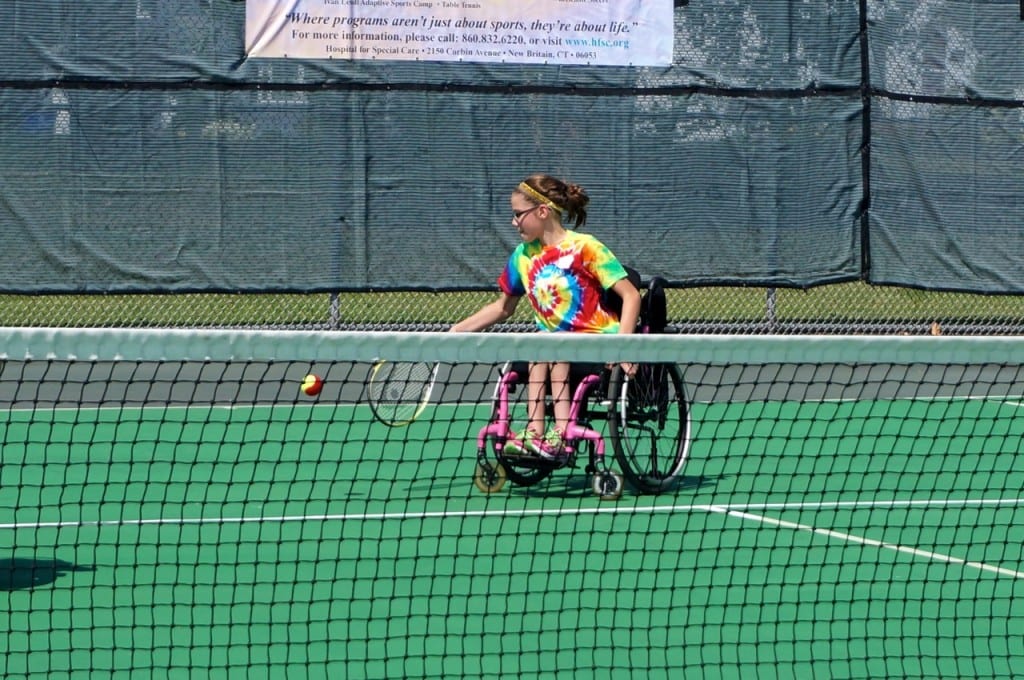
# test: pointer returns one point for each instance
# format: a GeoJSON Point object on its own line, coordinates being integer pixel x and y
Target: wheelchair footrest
{"type": "Point", "coordinates": [531, 460]}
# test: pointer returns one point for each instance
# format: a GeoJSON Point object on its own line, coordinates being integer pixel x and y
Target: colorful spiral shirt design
{"type": "Point", "coordinates": [565, 282]}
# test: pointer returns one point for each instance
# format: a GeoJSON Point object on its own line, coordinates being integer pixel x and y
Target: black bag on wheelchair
{"type": "Point", "coordinates": [653, 305]}
{"type": "Point", "coordinates": [611, 301]}
{"type": "Point", "coordinates": [653, 320]}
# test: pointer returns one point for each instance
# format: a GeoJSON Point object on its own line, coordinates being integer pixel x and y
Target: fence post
{"type": "Point", "coordinates": [334, 313]}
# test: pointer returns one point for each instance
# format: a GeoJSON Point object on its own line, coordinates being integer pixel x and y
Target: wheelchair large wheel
{"type": "Point", "coordinates": [650, 425]}
{"type": "Point", "coordinates": [521, 470]}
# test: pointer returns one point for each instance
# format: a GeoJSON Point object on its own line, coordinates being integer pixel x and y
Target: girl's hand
{"type": "Point", "coordinates": [628, 368]}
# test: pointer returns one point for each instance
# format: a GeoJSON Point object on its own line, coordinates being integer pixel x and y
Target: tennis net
{"type": "Point", "coordinates": [174, 502]}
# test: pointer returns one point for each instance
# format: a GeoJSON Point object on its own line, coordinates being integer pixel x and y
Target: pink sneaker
{"type": "Point", "coordinates": [550, 447]}
{"type": "Point", "coordinates": [521, 444]}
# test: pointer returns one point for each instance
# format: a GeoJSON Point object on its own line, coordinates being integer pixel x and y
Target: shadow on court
{"type": "Point", "coordinates": [561, 484]}
{"type": "Point", "coordinates": [19, 573]}
{"type": "Point", "coordinates": [573, 485]}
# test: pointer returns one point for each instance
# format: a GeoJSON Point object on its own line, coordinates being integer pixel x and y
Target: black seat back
{"type": "Point", "coordinates": [654, 307]}
{"type": "Point", "coordinates": [611, 301]}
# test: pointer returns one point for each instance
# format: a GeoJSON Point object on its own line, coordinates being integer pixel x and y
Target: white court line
{"type": "Point", "coordinates": [1004, 399]}
{"type": "Point", "coordinates": [740, 510]}
{"type": "Point", "coordinates": [850, 538]}
{"type": "Point", "coordinates": [524, 512]}
{"type": "Point", "coordinates": [216, 406]}
{"type": "Point", "coordinates": [120, 408]}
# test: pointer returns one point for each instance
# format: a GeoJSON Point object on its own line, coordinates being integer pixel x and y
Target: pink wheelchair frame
{"type": "Point", "coordinates": [529, 470]}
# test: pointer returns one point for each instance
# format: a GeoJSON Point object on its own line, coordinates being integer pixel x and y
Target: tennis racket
{"type": "Point", "coordinates": [399, 391]}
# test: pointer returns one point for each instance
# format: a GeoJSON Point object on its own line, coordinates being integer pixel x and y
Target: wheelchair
{"type": "Point", "coordinates": [645, 417]}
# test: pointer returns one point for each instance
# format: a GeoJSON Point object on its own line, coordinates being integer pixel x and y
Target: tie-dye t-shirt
{"type": "Point", "coordinates": [564, 282]}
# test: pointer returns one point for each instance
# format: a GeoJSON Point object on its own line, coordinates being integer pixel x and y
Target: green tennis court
{"type": "Point", "coordinates": [826, 538]}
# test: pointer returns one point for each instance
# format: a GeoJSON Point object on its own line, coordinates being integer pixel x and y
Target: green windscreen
{"type": "Point", "coordinates": [786, 145]}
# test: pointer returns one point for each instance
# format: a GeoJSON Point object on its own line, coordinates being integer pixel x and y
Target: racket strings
{"type": "Point", "coordinates": [399, 390]}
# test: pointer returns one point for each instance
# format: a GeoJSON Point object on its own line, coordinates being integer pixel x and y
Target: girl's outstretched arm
{"type": "Point", "coordinates": [490, 314]}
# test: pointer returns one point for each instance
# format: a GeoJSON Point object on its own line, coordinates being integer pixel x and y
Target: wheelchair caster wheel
{"type": "Point", "coordinates": [489, 478]}
{"type": "Point", "coordinates": [607, 485]}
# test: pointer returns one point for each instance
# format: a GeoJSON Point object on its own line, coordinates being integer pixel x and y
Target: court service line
{"type": "Point", "coordinates": [851, 538]}
{"type": "Point", "coordinates": [533, 512]}
{"type": "Point", "coordinates": [740, 511]}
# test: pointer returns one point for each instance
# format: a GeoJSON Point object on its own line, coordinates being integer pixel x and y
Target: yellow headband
{"type": "Point", "coordinates": [539, 197]}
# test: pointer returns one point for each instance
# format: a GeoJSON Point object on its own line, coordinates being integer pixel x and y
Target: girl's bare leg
{"type": "Point", "coordinates": [560, 395]}
{"type": "Point", "coordinates": [536, 395]}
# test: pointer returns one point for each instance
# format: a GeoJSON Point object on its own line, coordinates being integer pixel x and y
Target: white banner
{"type": "Point", "coordinates": [597, 32]}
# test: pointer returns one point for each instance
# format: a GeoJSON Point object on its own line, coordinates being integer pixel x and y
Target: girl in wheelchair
{"type": "Point", "coordinates": [564, 274]}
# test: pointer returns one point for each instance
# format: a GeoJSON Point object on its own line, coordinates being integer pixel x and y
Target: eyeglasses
{"type": "Point", "coordinates": [518, 215]}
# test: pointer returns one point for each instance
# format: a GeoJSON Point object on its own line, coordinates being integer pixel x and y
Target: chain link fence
{"type": "Point", "coordinates": [832, 309]}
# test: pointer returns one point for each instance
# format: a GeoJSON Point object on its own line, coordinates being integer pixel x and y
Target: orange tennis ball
{"type": "Point", "coordinates": [312, 384]}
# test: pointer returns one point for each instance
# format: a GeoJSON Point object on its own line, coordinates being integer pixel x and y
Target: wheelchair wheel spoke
{"type": "Point", "coordinates": [651, 426]}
